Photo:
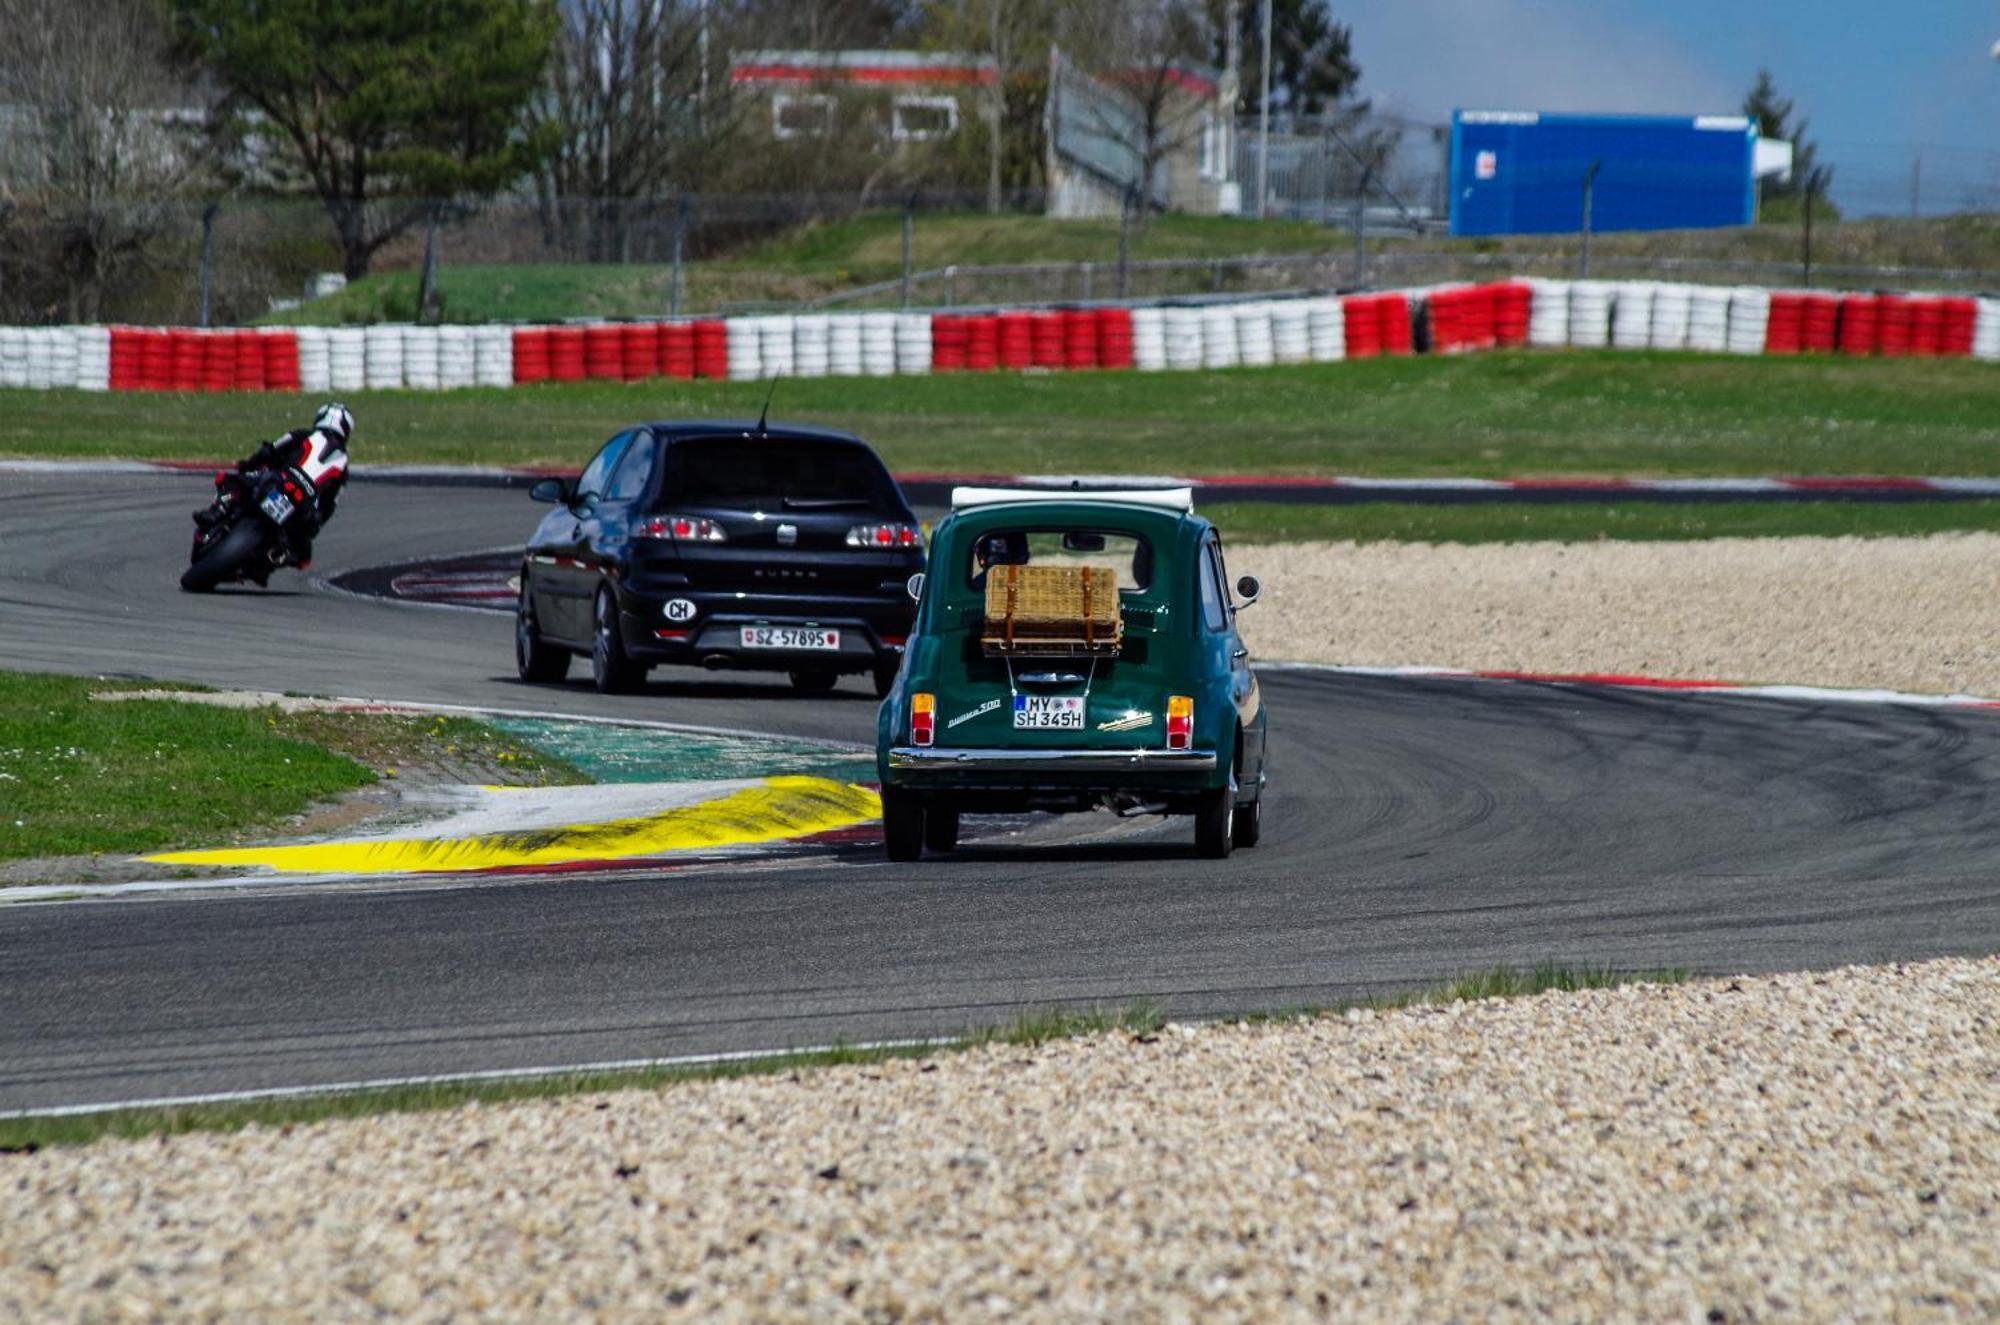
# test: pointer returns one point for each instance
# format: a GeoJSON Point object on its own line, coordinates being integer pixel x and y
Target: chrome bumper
{"type": "Point", "coordinates": [1052, 761]}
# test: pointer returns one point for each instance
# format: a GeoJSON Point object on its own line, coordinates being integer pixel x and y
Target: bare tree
{"type": "Point", "coordinates": [106, 137]}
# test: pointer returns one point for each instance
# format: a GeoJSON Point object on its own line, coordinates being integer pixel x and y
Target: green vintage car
{"type": "Point", "coordinates": [1145, 705]}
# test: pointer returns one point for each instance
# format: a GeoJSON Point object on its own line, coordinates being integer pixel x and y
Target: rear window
{"type": "Point", "coordinates": [776, 474]}
{"type": "Point", "coordinates": [1128, 556]}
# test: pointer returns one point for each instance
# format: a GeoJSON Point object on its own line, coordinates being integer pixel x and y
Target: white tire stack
{"type": "Point", "coordinates": [1149, 339]}
{"type": "Point", "coordinates": [1183, 338]}
{"type": "Point", "coordinates": [1548, 314]}
{"type": "Point", "coordinates": [1590, 314]}
{"type": "Point", "coordinates": [1632, 315]}
{"type": "Point", "coordinates": [1749, 319]}
{"type": "Point", "coordinates": [746, 357]}
{"type": "Point", "coordinates": [315, 359]}
{"type": "Point", "coordinates": [1326, 330]}
{"type": "Point", "coordinates": [1672, 307]}
{"type": "Point", "coordinates": [41, 359]}
{"type": "Point", "coordinates": [421, 358]}
{"type": "Point", "coordinates": [492, 356]}
{"type": "Point", "coordinates": [13, 356]}
{"type": "Point", "coordinates": [1290, 340]}
{"type": "Point", "coordinates": [457, 366]}
{"type": "Point", "coordinates": [913, 344]}
{"type": "Point", "coordinates": [1986, 331]}
{"type": "Point", "coordinates": [383, 357]}
{"type": "Point", "coordinates": [774, 346]}
{"type": "Point", "coordinates": [1218, 337]}
{"type": "Point", "coordinates": [843, 345]}
{"type": "Point", "coordinates": [1708, 318]}
{"type": "Point", "coordinates": [810, 354]}
{"type": "Point", "coordinates": [93, 358]}
{"type": "Point", "coordinates": [347, 358]}
{"type": "Point", "coordinates": [1255, 346]}
{"type": "Point", "coordinates": [878, 344]}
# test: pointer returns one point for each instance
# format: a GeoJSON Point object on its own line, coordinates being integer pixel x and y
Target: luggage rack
{"type": "Point", "coordinates": [1052, 612]}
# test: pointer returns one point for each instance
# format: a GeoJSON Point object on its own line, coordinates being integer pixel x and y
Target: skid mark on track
{"type": "Point", "coordinates": [780, 809]}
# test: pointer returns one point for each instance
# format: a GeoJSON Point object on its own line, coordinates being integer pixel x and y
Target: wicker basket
{"type": "Point", "coordinates": [1052, 610]}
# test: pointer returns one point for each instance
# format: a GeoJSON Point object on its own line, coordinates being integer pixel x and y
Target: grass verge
{"type": "Point", "coordinates": [82, 777]}
{"type": "Point", "coordinates": [1141, 1020]}
{"type": "Point", "coordinates": [1518, 413]}
{"type": "Point", "coordinates": [1246, 523]}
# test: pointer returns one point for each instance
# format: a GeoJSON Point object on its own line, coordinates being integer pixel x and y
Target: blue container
{"type": "Point", "coordinates": [1521, 172]}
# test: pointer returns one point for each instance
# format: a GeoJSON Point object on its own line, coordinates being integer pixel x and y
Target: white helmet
{"type": "Point", "coordinates": [333, 418]}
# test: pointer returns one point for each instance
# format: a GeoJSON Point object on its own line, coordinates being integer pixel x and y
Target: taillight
{"type": "Point", "coordinates": [683, 529]}
{"type": "Point", "coordinates": [293, 491]}
{"type": "Point", "coordinates": [1180, 722]}
{"type": "Point", "coordinates": [923, 719]}
{"type": "Point", "coordinates": [885, 536]}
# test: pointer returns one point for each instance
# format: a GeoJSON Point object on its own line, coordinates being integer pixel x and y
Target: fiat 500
{"type": "Point", "coordinates": [1073, 652]}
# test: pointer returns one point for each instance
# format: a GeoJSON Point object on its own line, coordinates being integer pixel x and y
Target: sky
{"type": "Point", "coordinates": [1881, 81]}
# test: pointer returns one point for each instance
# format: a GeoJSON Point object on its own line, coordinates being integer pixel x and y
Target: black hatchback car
{"type": "Point", "coordinates": [721, 545]}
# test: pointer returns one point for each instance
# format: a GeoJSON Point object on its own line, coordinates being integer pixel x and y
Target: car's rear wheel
{"type": "Point", "coordinates": [611, 668]}
{"type": "Point", "coordinates": [941, 827]}
{"type": "Point", "coordinates": [902, 824]}
{"type": "Point", "coordinates": [534, 658]}
{"type": "Point", "coordinates": [1248, 826]}
{"type": "Point", "coordinates": [813, 680]}
{"type": "Point", "coordinates": [1213, 819]}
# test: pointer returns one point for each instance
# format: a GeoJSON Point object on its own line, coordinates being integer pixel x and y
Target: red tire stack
{"type": "Point", "coordinates": [1513, 304]}
{"type": "Point", "coordinates": [1785, 330]}
{"type": "Point", "coordinates": [1926, 327]}
{"type": "Point", "coordinates": [677, 350]}
{"type": "Point", "coordinates": [281, 361]}
{"type": "Point", "coordinates": [249, 361]}
{"type": "Point", "coordinates": [156, 361]}
{"type": "Point", "coordinates": [603, 352]}
{"type": "Point", "coordinates": [982, 343]}
{"type": "Point", "coordinates": [1114, 338]}
{"type": "Point", "coordinates": [949, 337]}
{"type": "Point", "coordinates": [567, 354]}
{"type": "Point", "coordinates": [1860, 323]}
{"type": "Point", "coordinates": [1445, 312]}
{"type": "Point", "coordinates": [1079, 338]}
{"type": "Point", "coordinates": [1819, 324]}
{"type": "Point", "coordinates": [531, 355]}
{"type": "Point", "coordinates": [1363, 313]}
{"type": "Point", "coordinates": [126, 358]}
{"type": "Point", "coordinates": [218, 361]}
{"type": "Point", "coordinates": [638, 351]}
{"type": "Point", "coordinates": [185, 374]}
{"type": "Point", "coordinates": [1482, 313]}
{"type": "Point", "coordinates": [711, 349]}
{"type": "Point", "coordinates": [1016, 336]}
{"type": "Point", "coordinates": [1047, 332]}
{"type": "Point", "coordinates": [1397, 338]}
{"type": "Point", "coordinates": [1961, 323]}
{"type": "Point", "coordinates": [1892, 325]}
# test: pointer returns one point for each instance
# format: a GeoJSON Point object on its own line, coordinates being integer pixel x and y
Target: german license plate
{"type": "Point", "coordinates": [278, 506]}
{"type": "Point", "coordinates": [1043, 713]}
{"type": "Point", "coordinates": [790, 637]}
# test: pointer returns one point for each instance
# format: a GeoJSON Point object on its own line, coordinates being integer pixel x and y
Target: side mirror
{"type": "Point", "coordinates": [549, 489]}
{"type": "Point", "coordinates": [1247, 590]}
{"type": "Point", "coordinates": [916, 585]}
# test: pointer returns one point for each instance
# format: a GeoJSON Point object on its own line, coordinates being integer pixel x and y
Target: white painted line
{"type": "Point", "coordinates": [467, 1078]}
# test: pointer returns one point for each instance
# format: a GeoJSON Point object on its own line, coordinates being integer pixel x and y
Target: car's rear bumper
{"type": "Point", "coordinates": [960, 760]}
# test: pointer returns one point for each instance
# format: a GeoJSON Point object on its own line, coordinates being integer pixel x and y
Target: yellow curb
{"type": "Point", "coordinates": [784, 807]}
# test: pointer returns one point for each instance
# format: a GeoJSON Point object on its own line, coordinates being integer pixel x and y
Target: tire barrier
{"type": "Point", "coordinates": [1447, 319]}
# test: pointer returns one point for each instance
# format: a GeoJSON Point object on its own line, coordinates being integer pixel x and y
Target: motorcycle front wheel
{"type": "Point", "coordinates": [226, 558]}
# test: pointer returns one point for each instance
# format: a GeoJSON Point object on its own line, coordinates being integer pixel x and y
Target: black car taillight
{"type": "Point", "coordinates": [682, 529]}
{"type": "Point", "coordinates": [885, 536]}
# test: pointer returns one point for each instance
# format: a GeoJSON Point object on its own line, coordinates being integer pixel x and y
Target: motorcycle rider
{"type": "Point", "coordinates": [319, 452]}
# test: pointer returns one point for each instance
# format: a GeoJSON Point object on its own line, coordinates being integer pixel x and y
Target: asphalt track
{"type": "Point", "coordinates": [1415, 829]}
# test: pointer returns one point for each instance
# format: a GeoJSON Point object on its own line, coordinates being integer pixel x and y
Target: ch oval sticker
{"type": "Point", "coordinates": [680, 609]}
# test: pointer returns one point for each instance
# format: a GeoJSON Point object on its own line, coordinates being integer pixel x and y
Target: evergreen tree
{"type": "Point", "coordinates": [1773, 116]}
{"type": "Point", "coordinates": [1312, 57]}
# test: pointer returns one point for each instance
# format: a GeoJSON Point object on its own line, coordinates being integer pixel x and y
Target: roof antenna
{"type": "Point", "coordinates": [763, 415]}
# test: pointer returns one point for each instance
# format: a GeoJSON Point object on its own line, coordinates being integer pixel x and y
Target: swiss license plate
{"type": "Point", "coordinates": [790, 637]}
{"type": "Point", "coordinates": [278, 506]}
{"type": "Point", "coordinates": [1048, 712]}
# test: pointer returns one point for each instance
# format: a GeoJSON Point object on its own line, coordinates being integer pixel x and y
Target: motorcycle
{"type": "Point", "coordinates": [249, 533]}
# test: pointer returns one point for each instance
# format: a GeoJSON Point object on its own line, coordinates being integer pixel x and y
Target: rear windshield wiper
{"type": "Point", "coordinates": [824, 503]}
